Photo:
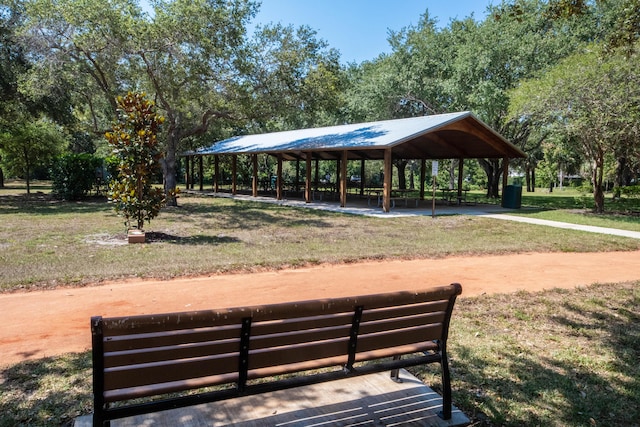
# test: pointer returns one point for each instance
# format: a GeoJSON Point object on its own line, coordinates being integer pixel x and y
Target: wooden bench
{"type": "Point", "coordinates": [144, 364]}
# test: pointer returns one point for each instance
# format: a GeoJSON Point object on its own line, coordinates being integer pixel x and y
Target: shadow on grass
{"type": "Point", "coordinates": [576, 365]}
{"type": "Point", "coordinates": [46, 392]}
{"type": "Point", "coordinates": [153, 236]}
{"type": "Point", "coordinates": [45, 204]}
{"type": "Point", "coordinates": [232, 214]}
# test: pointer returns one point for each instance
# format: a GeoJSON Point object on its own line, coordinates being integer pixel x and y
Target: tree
{"type": "Point", "coordinates": [73, 176]}
{"type": "Point", "coordinates": [135, 144]}
{"type": "Point", "coordinates": [592, 101]}
{"type": "Point", "coordinates": [467, 65]}
{"type": "Point", "coordinates": [29, 144]}
{"type": "Point", "coordinates": [191, 56]}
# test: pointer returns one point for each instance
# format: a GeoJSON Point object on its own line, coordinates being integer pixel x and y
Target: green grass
{"type": "Point", "coordinates": [554, 358]}
{"type": "Point", "coordinates": [586, 217]}
{"type": "Point", "coordinates": [40, 239]}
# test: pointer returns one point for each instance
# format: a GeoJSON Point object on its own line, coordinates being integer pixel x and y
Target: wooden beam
{"type": "Point", "coordinates": [187, 172]}
{"type": "Point", "coordinates": [193, 170]}
{"type": "Point", "coordinates": [200, 172]}
{"type": "Point", "coordinates": [307, 180]}
{"type": "Point", "coordinates": [216, 172]}
{"type": "Point", "coordinates": [279, 177]}
{"type": "Point", "coordinates": [362, 171]}
{"type": "Point", "coordinates": [254, 177]}
{"type": "Point", "coordinates": [423, 176]}
{"type": "Point", "coordinates": [343, 179]}
{"type": "Point", "coordinates": [505, 176]}
{"type": "Point", "coordinates": [460, 176]}
{"type": "Point", "coordinates": [386, 189]}
{"type": "Point", "coordinates": [234, 173]}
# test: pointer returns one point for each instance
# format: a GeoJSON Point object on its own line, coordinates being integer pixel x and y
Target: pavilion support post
{"type": "Point", "coordinates": [423, 176]}
{"type": "Point", "coordinates": [279, 178]}
{"type": "Point", "coordinates": [200, 172]}
{"type": "Point", "coordinates": [343, 179]}
{"type": "Point", "coordinates": [193, 171]}
{"type": "Point", "coordinates": [216, 173]}
{"type": "Point", "coordinates": [386, 187]}
{"type": "Point", "coordinates": [316, 178]}
{"type": "Point", "coordinates": [505, 177]}
{"type": "Point", "coordinates": [187, 172]}
{"type": "Point", "coordinates": [460, 176]}
{"type": "Point", "coordinates": [307, 180]}
{"type": "Point", "coordinates": [362, 177]}
{"type": "Point", "coordinates": [234, 174]}
{"type": "Point", "coordinates": [254, 175]}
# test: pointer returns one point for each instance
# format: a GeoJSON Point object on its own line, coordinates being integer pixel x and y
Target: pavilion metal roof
{"type": "Point", "coordinates": [442, 136]}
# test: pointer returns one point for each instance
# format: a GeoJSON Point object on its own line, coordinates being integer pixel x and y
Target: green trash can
{"type": "Point", "coordinates": [512, 197]}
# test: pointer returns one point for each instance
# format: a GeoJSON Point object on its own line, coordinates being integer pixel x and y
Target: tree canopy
{"type": "Point", "coordinates": [67, 61]}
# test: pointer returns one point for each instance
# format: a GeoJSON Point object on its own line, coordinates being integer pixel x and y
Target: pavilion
{"type": "Point", "coordinates": [444, 136]}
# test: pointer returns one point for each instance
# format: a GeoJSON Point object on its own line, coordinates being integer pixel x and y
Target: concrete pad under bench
{"type": "Point", "coordinates": [367, 400]}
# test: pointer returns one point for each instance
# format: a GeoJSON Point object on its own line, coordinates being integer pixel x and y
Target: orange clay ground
{"type": "Point", "coordinates": [48, 323]}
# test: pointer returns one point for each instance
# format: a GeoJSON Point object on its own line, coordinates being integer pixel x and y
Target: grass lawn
{"type": "Point", "coordinates": [555, 358]}
{"type": "Point", "coordinates": [40, 239]}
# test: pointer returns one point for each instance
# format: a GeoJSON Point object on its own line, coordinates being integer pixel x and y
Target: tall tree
{"type": "Point", "coordinates": [190, 56]}
{"type": "Point", "coordinates": [593, 101]}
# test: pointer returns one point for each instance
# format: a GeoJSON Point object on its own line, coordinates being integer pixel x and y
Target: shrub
{"type": "Point", "coordinates": [74, 175]}
{"type": "Point", "coordinates": [135, 145]}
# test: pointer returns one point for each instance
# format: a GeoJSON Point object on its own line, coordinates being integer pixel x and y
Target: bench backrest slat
{"type": "Point", "coordinates": [132, 341]}
{"type": "Point", "coordinates": [169, 371]}
{"type": "Point", "coordinates": [159, 354]}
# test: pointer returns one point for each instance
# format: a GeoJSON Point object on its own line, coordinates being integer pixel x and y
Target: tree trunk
{"type": "Point", "coordinates": [619, 181]}
{"type": "Point", "coordinates": [27, 167]}
{"type": "Point", "coordinates": [169, 167]}
{"type": "Point", "coordinates": [494, 172]}
{"type": "Point", "coordinates": [533, 179]}
{"type": "Point", "coordinates": [597, 179]}
{"type": "Point", "coordinates": [1, 178]}
{"type": "Point", "coordinates": [402, 180]}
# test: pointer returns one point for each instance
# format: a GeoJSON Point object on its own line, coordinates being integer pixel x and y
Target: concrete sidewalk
{"type": "Point", "coordinates": [569, 226]}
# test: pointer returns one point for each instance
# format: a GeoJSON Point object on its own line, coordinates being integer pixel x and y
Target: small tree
{"type": "Point", "coordinates": [74, 175]}
{"type": "Point", "coordinates": [135, 145]}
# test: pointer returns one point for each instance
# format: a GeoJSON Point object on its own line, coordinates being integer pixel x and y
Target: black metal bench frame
{"type": "Point", "coordinates": [140, 362]}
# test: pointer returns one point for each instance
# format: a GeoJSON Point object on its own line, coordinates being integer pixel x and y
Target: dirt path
{"type": "Point", "coordinates": [40, 324]}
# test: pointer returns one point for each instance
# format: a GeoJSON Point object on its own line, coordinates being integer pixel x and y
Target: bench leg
{"type": "Point", "coordinates": [445, 414]}
{"type": "Point", "coordinates": [395, 374]}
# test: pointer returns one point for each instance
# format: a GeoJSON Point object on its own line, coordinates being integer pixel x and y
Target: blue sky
{"type": "Point", "coordinates": [359, 28]}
